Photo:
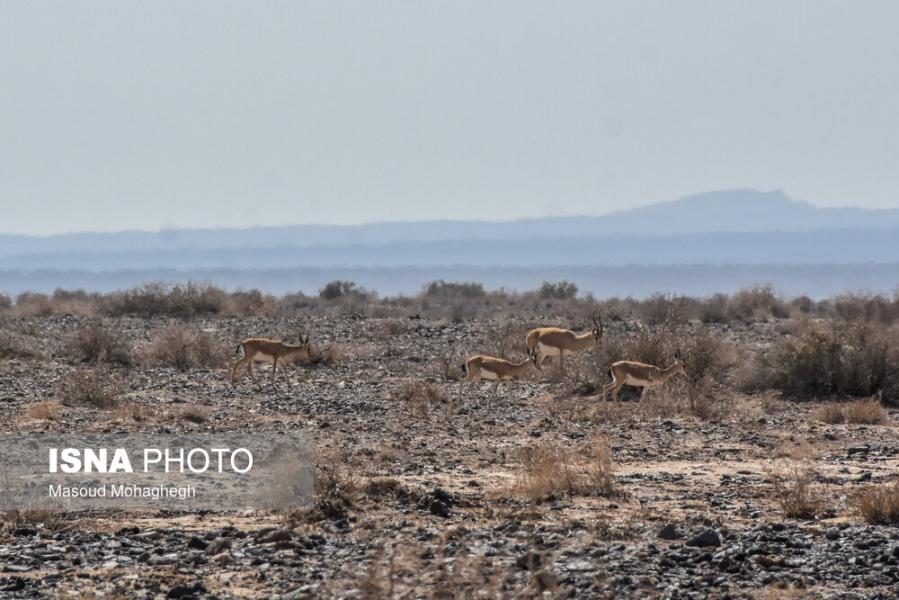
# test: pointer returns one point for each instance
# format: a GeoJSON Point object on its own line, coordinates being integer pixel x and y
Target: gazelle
{"type": "Point", "coordinates": [553, 341]}
{"type": "Point", "coordinates": [629, 372]}
{"type": "Point", "coordinates": [254, 350]}
{"type": "Point", "coordinates": [493, 369]}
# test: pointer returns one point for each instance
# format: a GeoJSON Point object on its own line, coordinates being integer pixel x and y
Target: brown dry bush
{"type": "Point", "coordinates": [549, 471]}
{"type": "Point", "coordinates": [33, 305]}
{"type": "Point", "coordinates": [879, 505]}
{"type": "Point", "coordinates": [49, 519]}
{"type": "Point", "coordinates": [866, 307]}
{"type": "Point", "coordinates": [251, 303]}
{"type": "Point", "coordinates": [13, 346]}
{"type": "Point", "coordinates": [184, 349]}
{"type": "Point", "coordinates": [866, 412]}
{"type": "Point", "coordinates": [95, 343]}
{"type": "Point", "coordinates": [420, 397]}
{"type": "Point", "coordinates": [831, 413]}
{"type": "Point", "coordinates": [862, 412]}
{"type": "Point", "coordinates": [192, 414]}
{"type": "Point", "coordinates": [155, 299]}
{"type": "Point", "coordinates": [74, 302]}
{"type": "Point", "coordinates": [5, 302]}
{"type": "Point", "coordinates": [847, 359]}
{"type": "Point", "coordinates": [133, 411]}
{"type": "Point", "coordinates": [793, 491]}
{"type": "Point", "coordinates": [757, 303]}
{"type": "Point", "coordinates": [562, 290]}
{"type": "Point", "coordinates": [43, 411]}
{"type": "Point", "coordinates": [448, 290]}
{"type": "Point", "coordinates": [93, 388]}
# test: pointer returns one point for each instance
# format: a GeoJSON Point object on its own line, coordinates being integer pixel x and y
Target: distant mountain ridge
{"type": "Point", "coordinates": [737, 211]}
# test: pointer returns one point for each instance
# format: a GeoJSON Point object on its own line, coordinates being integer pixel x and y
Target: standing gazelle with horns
{"type": "Point", "coordinates": [629, 372]}
{"type": "Point", "coordinates": [553, 341]}
{"type": "Point", "coordinates": [493, 369]}
{"type": "Point", "coordinates": [254, 350]}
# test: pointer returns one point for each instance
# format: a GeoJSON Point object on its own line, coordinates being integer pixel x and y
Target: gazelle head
{"type": "Point", "coordinates": [597, 326]}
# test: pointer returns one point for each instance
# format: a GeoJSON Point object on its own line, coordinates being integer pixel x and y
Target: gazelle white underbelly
{"type": "Point", "coordinates": [485, 374]}
{"type": "Point", "coordinates": [638, 382]}
{"type": "Point", "coordinates": [262, 357]}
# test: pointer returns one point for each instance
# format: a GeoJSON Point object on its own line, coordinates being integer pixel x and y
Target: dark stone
{"type": "Point", "coordinates": [669, 532]}
{"type": "Point", "coordinates": [707, 538]}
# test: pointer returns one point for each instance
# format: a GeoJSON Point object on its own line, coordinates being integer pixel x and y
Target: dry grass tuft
{"type": "Point", "coordinates": [866, 412]}
{"type": "Point", "coordinates": [12, 346]}
{"type": "Point", "coordinates": [93, 388]}
{"type": "Point", "coordinates": [862, 412]}
{"type": "Point", "coordinates": [43, 411]}
{"type": "Point", "coordinates": [794, 493]}
{"type": "Point", "coordinates": [551, 471]}
{"type": "Point", "coordinates": [95, 343]}
{"type": "Point", "coordinates": [419, 397]}
{"type": "Point", "coordinates": [880, 505]}
{"type": "Point", "coordinates": [132, 411]}
{"type": "Point", "coordinates": [193, 414]}
{"type": "Point", "coordinates": [831, 413]}
{"type": "Point", "coordinates": [184, 349]}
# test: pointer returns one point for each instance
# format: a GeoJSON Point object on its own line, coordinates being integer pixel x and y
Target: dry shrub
{"type": "Point", "coordinates": [326, 357]}
{"type": "Point", "coordinates": [419, 397]}
{"type": "Point", "coordinates": [848, 359]}
{"type": "Point", "coordinates": [74, 302]}
{"type": "Point", "coordinates": [132, 411]}
{"type": "Point", "coordinates": [831, 413]}
{"type": "Point", "coordinates": [866, 307]}
{"type": "Point", "coordinates": [193, 414]}
{"type": "Point", "coordinates": [43, 411]}
{"type": "Point", "coordinates": [95, 343]}
{"type": "Point", "coordinates": [93, 388]}
{"type": "Point", "coordinates": [155, 299]}
{"type": "Point", "coordinates": [252, 303]}
{"type": "Point", "coordinates": [184, 349]}
{"type": "Point", "coordinates": [49, 519]}
{"type": "Point", "coordinates": [5, 302]}
{"type": "Point", "coordinates": [562, 290]}
{"type": "Point", "coordinates": [866, 412]}
{"type": "Point", "coordinates": [879, 505]}
{"type": "Point", "coordinates": [552, 471]}
{"type": "Point", "coordinates": [757, 303]}
{"type": "Point", "coordinates": [33, 305]}
{"type": "Point", "coordinates": [13, 346]}
{"type": "Point", "coordinates": [863, 412]}
{"type": "Point", "coordinates": [446, 290]}
{"type": "Point", "coordinates": [793, 490]}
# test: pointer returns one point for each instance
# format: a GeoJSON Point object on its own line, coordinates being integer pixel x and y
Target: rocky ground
{"type": "Point", "coordinates": [423, 489]}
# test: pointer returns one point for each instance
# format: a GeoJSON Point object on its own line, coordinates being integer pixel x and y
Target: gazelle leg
{"type": "Point", "coordinates": [496, 387]}
{"type": "Point", "coordinates": [234, 367]}
{"type": "Point", "coordinates": [274, 369]}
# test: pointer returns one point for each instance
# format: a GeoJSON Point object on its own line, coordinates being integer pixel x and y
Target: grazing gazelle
{"type": "Point", "coordinates": [263, 350]}
{"type": "Point", "coordinates": [628, 372]}
{"type": "Point", "coordinates": [553, 341]}
{"type": "Point", "coordinates": [493, 369]}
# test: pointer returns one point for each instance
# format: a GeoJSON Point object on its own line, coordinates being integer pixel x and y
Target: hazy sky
{"type": "Point", "coordinates": [140, 115]}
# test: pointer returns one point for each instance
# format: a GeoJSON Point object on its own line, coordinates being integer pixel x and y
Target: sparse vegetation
{"type": "Point", "coordinates": [95, 343]}
{"type": "Point", "coordinates": [184, 349]}
{"type": "Point", "coordinates": [865, 412]}
{"type": "Point", "coordinates": [793, 490]}
{"type": "Point", "coordinates": [43, 411]}
{"type": "Point", "coordinates": [550, 471]}
{"type": "Point", "coordinates": [849, 359]}
{"type": "Point", "coordinates": [420, 398]}
{"type": "Point", "coordinates": [879, 505]}
{"type": "Point", "coordinates": [93, 388]}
